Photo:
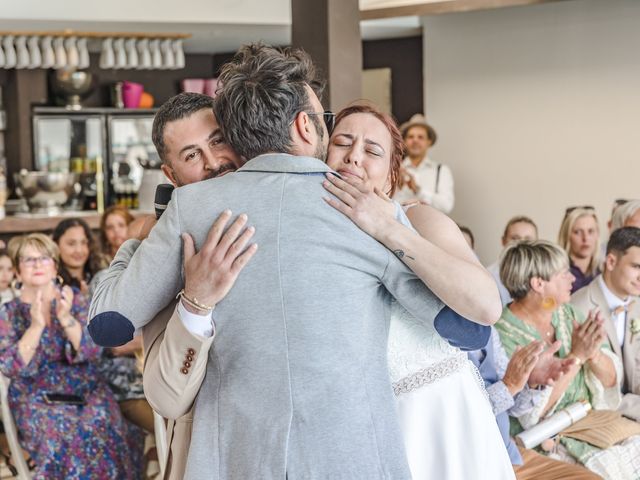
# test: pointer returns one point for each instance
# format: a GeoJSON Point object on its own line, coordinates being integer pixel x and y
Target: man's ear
{"type": "Point", "coordinates": [610, 261]}
{"type": "Point", "coordinates": [303, 127]}
{"type": "Point", "coordinates": [168, 172]}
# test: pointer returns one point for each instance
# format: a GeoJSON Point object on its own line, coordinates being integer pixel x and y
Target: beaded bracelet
{"type": "Point", "coordinates": [193, 302]}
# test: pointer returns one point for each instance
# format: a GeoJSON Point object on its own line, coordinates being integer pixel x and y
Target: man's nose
{"type": "Point", "coordinates": [210, 161]}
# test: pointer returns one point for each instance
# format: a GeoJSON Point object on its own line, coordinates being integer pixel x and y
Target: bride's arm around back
{"type": "Point", "coordinates": [446, 264]}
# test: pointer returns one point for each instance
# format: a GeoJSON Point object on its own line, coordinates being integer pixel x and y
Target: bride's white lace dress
{"type": "Point", "coordinates": [447, 422]}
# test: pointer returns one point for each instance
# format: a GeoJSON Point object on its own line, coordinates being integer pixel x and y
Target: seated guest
{"type": "Point", "coordinates": [579, 236]}
{"type": "Point", "coordinates": [113, 229]}
{"type": "Point", "coordinates": [518, 228]}
{"type": "Point", "coordinates": [123, 372]}
{"type": "Point", "coordinates": [80, 259]}
{"type": "Point", "coordinates": [45, 350]}
{"type": "Point", "coordinates": [626, 214]}
{"type": "Point", "coordinates": [614, 293]}
{"type": "Point", "coordinates": [80, 263]}
{"type": "Point", "coordinates": [508, 385]}
{"type": "Point", "coordinates": [538, 278]}
{"type": "Point", "coordinates": [7, 272]}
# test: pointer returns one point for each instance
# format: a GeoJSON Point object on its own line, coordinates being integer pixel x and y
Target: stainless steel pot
{"type": "Point", "coordinates": [46, 192]}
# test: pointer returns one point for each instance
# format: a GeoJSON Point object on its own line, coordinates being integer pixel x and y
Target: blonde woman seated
{"type": "Point", "coordinates": [537, 276]}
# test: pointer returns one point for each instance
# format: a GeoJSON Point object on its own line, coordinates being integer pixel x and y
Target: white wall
{"type": "Point", "coordinates": [151, 11]}
{"type": "Point", "coordinates": [537, 108]}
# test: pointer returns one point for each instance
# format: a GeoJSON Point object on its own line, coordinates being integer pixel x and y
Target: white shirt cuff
{"type": "Point", "coordinates": [197, 324]}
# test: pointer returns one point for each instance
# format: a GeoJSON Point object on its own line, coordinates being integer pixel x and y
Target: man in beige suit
{"type": "Point", "coordinates": [187, 138]}
{"type": "Point", "coordinates": [615, 293]}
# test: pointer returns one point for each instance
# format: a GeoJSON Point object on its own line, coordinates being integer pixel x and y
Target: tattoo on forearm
{"type": "Point", "coordinates": [401, 254]}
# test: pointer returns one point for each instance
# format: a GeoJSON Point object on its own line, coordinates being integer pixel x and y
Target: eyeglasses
{"type": "Point", "coordinates": [583, 207]}
{"type": "Point", "coordinates": [620, 201]}
{"type": "Point", "coordinates": [329, 119]}
{"type": "Point", "coordinates": [32, 261]}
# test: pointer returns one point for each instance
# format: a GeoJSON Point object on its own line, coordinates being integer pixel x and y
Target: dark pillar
{"type": "Point", "coordinates": [24, 89]}
{"type": "Point", "coordinates": [329, 30]}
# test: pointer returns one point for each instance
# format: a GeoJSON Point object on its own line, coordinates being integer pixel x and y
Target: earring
{"type": "Point", "coordinates": [59, 281]}
{"type": "Point", "coordinates": [549, 303]}
{"type": "Point", "coordinates": [16, 284]}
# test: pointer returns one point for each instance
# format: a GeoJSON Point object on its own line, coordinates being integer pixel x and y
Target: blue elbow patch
{"type": "Point", "coordinates": [111, 329]}
{"type": "Point", "coordinates": [460, 332]}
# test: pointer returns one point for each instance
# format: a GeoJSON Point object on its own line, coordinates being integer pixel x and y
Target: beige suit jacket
{"type": "Point", "coordinates": [175, 363]}
{"type": "Point", "coordinates": [592, 297]}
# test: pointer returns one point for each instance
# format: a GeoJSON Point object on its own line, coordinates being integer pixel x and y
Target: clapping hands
{"type": "Point", "coordinates": [64, 301]}
{"type": "Point", "coordinates": [588, 337]}
{"type": "Point", "coordinates": [535, 365]}
{"type": "Point", "coordinates": [549, 368]}
{"type": "Point", "coordinates": [522, 363]}
{"type": "Point", "coordinates": [38, 319]}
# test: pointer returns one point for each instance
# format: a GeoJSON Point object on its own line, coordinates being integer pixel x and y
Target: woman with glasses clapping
{"type": "Point", "coordinates": [66, 416]}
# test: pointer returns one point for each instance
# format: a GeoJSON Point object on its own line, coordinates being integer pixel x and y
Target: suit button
{"type": "Point", "coordinates": [185, 371]}
{"type": "Point", "coordinates": [189, 358]}
{"type": "Point", "coordinates": [187, 364]}
{"type": "Point", "coordinates": [191, 352]}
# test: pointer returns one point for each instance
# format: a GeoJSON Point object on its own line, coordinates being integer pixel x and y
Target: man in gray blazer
{"type": "Point", "coordinates": [615, 294]}
{"type": "Point", "coordinates": [296, 383]}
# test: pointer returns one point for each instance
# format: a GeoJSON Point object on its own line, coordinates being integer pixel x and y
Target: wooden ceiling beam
{"type": "Point", "coordinates": [441, 7]}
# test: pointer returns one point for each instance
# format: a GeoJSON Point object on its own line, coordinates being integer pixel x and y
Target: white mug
{"type": "Point", "coordinates": [48, 55]}
{"type": "Point", "coordinates": [168, 58]}
{"type": "Point", "coordinates": [35, 56]}
{"type": "Point", "coordinates": [9, 52]}
{"type": "Point", "coordinates": [179, 53]}
{"type": "Point", "coordinates": [120, 53]}
{"type": "Point", "coordinates": [107, 57]}
{"type": "Point", "coordinates": [73, 56]}
{"type": "Point", "coordinates": [132, 53]}
{"type": "Point", "coordinates": [2, 58]}
{"type": "Point", "coordinates": [22, 52]}
{"type": "Point", "coordinates": [60, 53]}
{"type": "Point", "coordinates": [156, 54]}
{"type": "Point", "coordinates": [83, 53]}
{"type": "Point", "coordinates": [144, 54]}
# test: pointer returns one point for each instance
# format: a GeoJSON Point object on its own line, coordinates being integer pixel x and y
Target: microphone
{"type": "Point", "coordinates": [163, 195]}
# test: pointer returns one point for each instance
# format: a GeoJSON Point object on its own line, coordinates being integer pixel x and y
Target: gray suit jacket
{"type": "Point", "coordinates": [591, 297]}
{"type": "Point", "coordinates": [296, 381]}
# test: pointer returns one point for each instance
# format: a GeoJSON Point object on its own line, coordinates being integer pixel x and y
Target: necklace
{"type": "Point", "coordinates": [546, 333]}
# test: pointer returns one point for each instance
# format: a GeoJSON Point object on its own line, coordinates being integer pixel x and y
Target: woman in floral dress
{"type": "Point", "coordinates": [44, 348]}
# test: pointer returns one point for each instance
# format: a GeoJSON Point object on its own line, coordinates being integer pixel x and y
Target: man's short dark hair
{"type": "Point", "coordinates": [176, 108]}
{"type": "Point", "coordinates": [263, 89]}
{"type": "Point", "coordinates": [623, 239]}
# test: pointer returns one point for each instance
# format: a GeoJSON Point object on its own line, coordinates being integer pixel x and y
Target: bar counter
{"type": "Point", "coordinates": [26, 223]}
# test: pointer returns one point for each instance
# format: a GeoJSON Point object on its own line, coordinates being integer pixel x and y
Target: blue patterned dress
{"type": "Point", "coordinates": [65, 441]}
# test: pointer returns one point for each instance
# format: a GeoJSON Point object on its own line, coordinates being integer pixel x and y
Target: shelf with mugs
{"type": "Point", "coordinates": [69, 49]}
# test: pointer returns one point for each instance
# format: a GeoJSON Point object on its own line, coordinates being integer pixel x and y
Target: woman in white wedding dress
{"type": "Point", "coordinates": [446, 419]}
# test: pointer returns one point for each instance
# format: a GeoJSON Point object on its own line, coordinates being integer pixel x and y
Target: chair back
{"type": "Point", "coordinates": [11, 432]}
